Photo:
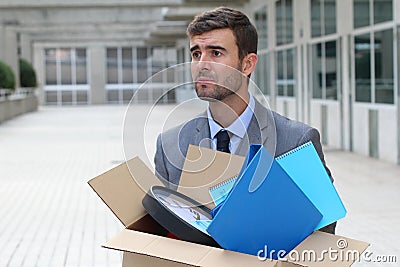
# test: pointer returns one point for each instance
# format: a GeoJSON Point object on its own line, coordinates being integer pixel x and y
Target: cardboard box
{"type": "Point", "coordinates": [143, 241]}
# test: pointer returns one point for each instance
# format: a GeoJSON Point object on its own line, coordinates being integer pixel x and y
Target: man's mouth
{"type": "Point", "coordinates": [204, 80]}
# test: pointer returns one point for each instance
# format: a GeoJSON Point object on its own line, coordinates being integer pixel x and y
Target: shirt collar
{"type": "Point", "coordinates": [239, 126]}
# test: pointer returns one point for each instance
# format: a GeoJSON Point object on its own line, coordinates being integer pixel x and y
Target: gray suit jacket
{"type": "Point", "coordinates": [277, 133]}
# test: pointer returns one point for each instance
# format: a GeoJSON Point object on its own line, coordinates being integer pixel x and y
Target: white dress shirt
{"type": "Point", "coordinates": [236, 130]}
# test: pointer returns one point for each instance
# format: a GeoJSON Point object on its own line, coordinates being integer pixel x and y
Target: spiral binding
{"type": "Point", "coordinates": [223, 183]}
{"type": "Point", "coordinates": [294, 150]}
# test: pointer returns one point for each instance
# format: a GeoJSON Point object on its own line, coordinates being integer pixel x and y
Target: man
{"type": "Point", "coordinates": [223, 45]}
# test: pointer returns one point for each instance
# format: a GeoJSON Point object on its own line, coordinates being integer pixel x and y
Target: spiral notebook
{"type": "Point", "coordinates": [305, 168]}
{"type": "Point", "coordinates": [220, 191]}
{"type": "Point", "coordinates": [264, 208]}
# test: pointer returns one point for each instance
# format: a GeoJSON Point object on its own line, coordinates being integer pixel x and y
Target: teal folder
{"type": "Point", "coordinates": [265, 208]}
{"type": "Point", "coordinates": [306, 169]}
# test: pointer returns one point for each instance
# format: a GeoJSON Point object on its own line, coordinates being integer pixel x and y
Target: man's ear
{"type": "Point", "coordinates": [249, 63]}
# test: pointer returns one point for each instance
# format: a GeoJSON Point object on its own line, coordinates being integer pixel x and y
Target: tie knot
{"type": "Point", "coordinates": [223, 141]}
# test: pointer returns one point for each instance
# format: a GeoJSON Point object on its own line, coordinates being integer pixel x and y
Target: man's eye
{"type": "Point", "coordinates": [217, 53]}
{"type": "Point", "coordinates": [196, 55]}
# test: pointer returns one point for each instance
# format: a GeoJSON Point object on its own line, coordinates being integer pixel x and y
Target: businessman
{"type": "Point", "coordinates": [223, 46]}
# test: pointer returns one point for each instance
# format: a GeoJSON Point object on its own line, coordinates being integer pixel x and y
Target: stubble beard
{"type": "Point", "coordinates": [218, 91]}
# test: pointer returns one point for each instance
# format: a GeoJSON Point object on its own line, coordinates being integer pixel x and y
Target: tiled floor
{"type": "Point", "coordinates": [49, 216]}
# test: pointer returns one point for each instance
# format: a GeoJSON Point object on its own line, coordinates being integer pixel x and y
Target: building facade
{"type": "Point", "coordinates": [329, 63]}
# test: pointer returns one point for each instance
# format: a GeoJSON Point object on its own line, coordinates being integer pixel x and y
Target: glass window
{"type": "Point", "coordinates": [281, 73]}
{"type": "Point", "coordinates": [316, 17]}
{"type": "Point", "coordinates": [324, 70]}
{"type": "Point", "coordinates": [127, 65]}
{"type": "Point", "coordinates": [112, 65]}
{"type": "Point", "coordinates": [157, 63]}
{"type": "Point", "coordinates": [261, 25]}
{"type": "Point", "coordinates": [331, 82]}
{"type": "Point", "coordinates": [261, 73]}
{"type": "Point", "coordinates": [323, 17]}
{"type": "Point", "coordinates": [181, 59]}
{"type": "Point", "coordinates": [65, 67]}
{"type": "Point", "coordinates": [382, 11]}
{"type": "Point", "coordinates": [81, 97]}
{"type": "Point", "coordinates": [51, 66]}
{"type": "Point", "coordinates": [64, 56]}
{"type": "Point", "coordinates": [284, 22]}
{"type": "Point", "coordinates": [330, 16]}
{"type": "Point", "coordinates": [361, 13]}
{"type": "Point", "coordinates": [379, 49]}
{"type": "Point", "coordinates": [362, 53]}
{"type": "Point", "coordinates": [142, 64]}
{"type": "Point", "coordinates": [181, 55]}
{"type": "Point", "coordinates": [316, 66]}
{"type": "Point", "coordinates": [286, 72]}
{"type": "Point", "coordinates": [171, 60]}
{"type": "Point", "coordinates": [290, 72]}
{"type": "Point", "coordinates": [170, 56]}
{"type": "Point", "coordinates": [384, 88]}
{"type": "Point", "coordinates": [81, 68]}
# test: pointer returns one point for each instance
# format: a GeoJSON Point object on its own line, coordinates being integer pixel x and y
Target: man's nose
{"type": "Point", "coordinates": [204, 62]}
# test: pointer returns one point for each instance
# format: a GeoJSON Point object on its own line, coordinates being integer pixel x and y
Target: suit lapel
{"type": "Point", "coordinates": [261, 130]}
{"type": "Point", "coordinates": [202, 134]}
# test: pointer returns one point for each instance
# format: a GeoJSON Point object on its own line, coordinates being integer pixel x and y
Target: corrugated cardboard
{"type": "Point", "coordinates": [204, 168]}
{"type": "Point", "coordinates": [143, 240]}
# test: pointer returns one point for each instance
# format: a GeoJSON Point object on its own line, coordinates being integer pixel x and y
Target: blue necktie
{"type": "Point", "coordinates": [223, 141]}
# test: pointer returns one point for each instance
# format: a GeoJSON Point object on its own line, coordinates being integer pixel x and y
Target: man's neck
{"type": "Point", "coordinates": [225, 112]}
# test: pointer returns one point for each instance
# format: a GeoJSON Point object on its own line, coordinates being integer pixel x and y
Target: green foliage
{"type": "Point", "coordinates": [27, 74]}
{"type": "Point", "coordinates": [7, 78]}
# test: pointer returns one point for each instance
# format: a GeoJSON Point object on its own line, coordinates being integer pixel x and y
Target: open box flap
{"type": "Point", "coordinates": [157, 246]}
{"type": "Point", "coordinates": [204, 168]}
{"type": "Point", "coordinates": [120, 192]}
{"type": "Point", "coordinates": [323, 249]}
{"type": "Point", "coordinates": [184, 252]}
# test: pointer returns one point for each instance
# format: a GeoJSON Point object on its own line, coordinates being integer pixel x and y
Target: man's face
{"type": "Point", "coordinates": [216, 69]}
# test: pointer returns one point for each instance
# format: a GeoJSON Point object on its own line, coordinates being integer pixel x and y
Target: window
{"type": "Point", "coordinates": [381, 12]}
{"type": "Point", "coordinates": [142, 68]}
{"type": "Point", "coordinates": [81, 66]}
{"type": "Point", "coordinates": [112, 65]}
{"type": "Point", "coordinates": [261, 73]}
{"type": "Point", "coordinates": [374, 83]}
{"type": "Point", "coordinates": [362, 54]}
{"type": "Point", "coordinates": [285, 63]}
{"type": "Point", "coordinates": [261, 25]}
{"type": "Point", "coordinates": [51, 66]}
{"type": "Point", "coordinates": [323, 17]}
{"type": "Point", "coordinates": [129, 67]}
{"type": "Point", "coordinates": [324, 70]}
{"type": "Point", "coordinates": [384, 85]}
{"type": "Point", "coordinates": [284, 22]}
{"type": "Point", "coordinates": [66, 80]}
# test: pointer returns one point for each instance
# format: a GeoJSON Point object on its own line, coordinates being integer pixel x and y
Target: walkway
{"type": "Point", "coordinates": [51, 217]}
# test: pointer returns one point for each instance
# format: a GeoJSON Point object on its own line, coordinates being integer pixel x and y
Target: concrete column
{"type": "Point", "coordinates": [9, 50]}
{"type": "Point", "coordinates": [344, 8]}
{"type": "Point", "coordinates": [301, 28]}
{"type": "Point", "coordinates": [271, 45]}
{"type": "Point", "coordinates": [39, 66]}
{"type": "Point", "coordinates": [26, 47]}
{"type": "Point", "coordinates": [97, 73]}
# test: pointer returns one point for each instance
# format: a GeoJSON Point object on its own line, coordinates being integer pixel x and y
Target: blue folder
{"type": "Point", "coordinates": [264, 208]}
{"type": "Point", "coordinates": [306, 169]}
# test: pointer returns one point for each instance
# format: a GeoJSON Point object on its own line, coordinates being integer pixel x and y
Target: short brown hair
{"type": "Point", "coordinates": [223, 17]}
